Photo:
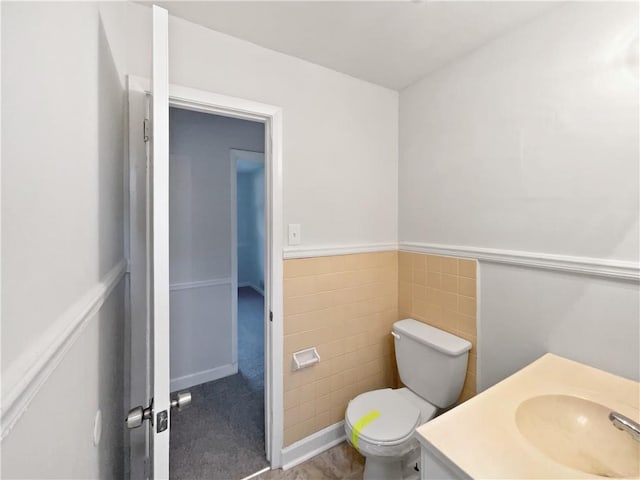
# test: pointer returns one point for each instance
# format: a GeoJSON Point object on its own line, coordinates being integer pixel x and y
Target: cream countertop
{"type": "Point", "coordinates": [482, 438]}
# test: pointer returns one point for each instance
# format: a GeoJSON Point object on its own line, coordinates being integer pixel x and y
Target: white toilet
{"type": "Point", "coordinates": [381, 424]}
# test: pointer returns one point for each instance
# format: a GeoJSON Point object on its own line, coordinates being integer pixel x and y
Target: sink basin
{"type": "Point", "coordinates": [578, 434]}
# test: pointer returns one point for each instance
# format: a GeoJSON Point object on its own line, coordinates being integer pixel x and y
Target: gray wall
{"type": "Point", "coordinates": [527, 312]}
{"type": "Point", "coordinates": [531, 144]}
{"type": "Point", "coordinates": [62, 232]}
{"type": "Point", "coordinates": [250, 193]}
{"type": "Point", "coordinates": [340, 149]}
{"type": "Point", "coordinates": [200, 201]}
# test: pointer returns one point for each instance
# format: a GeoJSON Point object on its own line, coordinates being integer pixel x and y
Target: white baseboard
{"type": "Point", "coordinates": [312, 445]}
{"type": "Point", "coordinates": [197, 378]}
{"type": "Point", "coordinates": [251, 285]}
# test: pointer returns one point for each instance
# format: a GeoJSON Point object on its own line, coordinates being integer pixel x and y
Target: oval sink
{"type": "Point", "coordinates": [577, 433]}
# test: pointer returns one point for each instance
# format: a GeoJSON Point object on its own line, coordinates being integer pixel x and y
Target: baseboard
{"type": "Point", "coordinates": [204, 376]}
{"type": "Point", "coordinates": [251, 285]}
{"type": "Point", "coordinates": [312, 445]}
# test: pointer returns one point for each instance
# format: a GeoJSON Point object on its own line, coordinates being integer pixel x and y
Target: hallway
{"type": "Point", "coordinates": [221, 435]}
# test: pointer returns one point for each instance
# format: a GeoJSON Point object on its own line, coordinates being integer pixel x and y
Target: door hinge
{"type": "Point", "coordinates": [270, 316]}
{"type": "Point", "coordinates": [146, 130]}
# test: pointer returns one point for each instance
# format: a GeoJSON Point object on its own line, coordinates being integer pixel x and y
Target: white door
{"type": "Point", "coordinates": [160, 244]}
{"type": "Point", "coordinates": [149, 260]}
{"type": "Point", "coordinates": [149, 194]}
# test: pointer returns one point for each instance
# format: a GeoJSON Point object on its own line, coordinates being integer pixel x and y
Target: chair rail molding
{"type": "Point", "coordinates": [212, 282]}
{"type": "Point", "coordinates": [596, 267]}
{"type": "Point", "coordinates": [25, 377]}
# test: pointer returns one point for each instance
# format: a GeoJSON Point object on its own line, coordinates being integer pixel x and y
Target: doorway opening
{"type": "Point", "coordinates": [217, 282]}
{"type": "Point", "coordinates": [147, 379]}
{"type": "Point", "coordinates": [248, 167]}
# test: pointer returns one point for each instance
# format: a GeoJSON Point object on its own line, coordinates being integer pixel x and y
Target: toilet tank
{"type": "Point", "coordinates": [431, 362]}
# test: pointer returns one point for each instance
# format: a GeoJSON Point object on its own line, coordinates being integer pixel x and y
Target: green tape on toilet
{"type": "Point", "coordinates": [360, 424]}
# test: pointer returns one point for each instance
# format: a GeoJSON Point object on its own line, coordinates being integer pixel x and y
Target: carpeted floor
{"type": "Point", "coordinates": [221, 436]}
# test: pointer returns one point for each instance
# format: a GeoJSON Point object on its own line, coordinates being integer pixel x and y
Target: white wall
{"type": "Point", "coordinates": [340, 133]}
{"type": "Point", "coordinates": [527, 312]}
{"type": "Point", "coordinates": [62, 232]}
{"type": "Point", "coordinates": [250, 198]}
{"type": "Point", "coordinates": [200, 206]}
{"type": "Point", "coordinates": [531, 143]}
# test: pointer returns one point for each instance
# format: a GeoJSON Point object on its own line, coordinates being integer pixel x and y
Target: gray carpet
{"type": "Point", "coordinates": [221, 436]}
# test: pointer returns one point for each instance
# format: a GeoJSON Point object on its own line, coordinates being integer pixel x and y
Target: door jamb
{"type": "Point", "coordinates": [234, 264]}
{"type": "Point", "coordinates": [271, 116]}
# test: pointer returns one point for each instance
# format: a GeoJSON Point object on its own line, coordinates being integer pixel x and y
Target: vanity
{"type": "Point", "coordinates": [548, 420]}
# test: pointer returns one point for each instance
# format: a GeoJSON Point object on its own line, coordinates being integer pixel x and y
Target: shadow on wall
{"type": "Point", "coordinates": [582, 196]}
{"type": "Point", "coordinates": [528, 312]}
{"type": "Point", "coordinates": [111, 340]}
{"type": "Point", "coordinates": [544, 152]}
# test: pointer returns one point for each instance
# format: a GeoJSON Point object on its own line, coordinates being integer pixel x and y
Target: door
{"type": "Point", "coordinates": [149, 193]}
{"type": "Point", "coordinates": [149, 259]}
{"type": "Point", "coordinates": [159, 247]}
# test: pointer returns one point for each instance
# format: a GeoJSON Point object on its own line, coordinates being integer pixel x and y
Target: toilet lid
{"type": "Point", "coordinates": [382, 417]}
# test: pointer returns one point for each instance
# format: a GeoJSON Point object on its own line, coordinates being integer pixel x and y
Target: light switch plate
{"type": "Point", "coordinates": [294, 234]}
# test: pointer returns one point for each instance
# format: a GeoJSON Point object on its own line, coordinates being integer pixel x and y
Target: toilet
{"type": "Point", "coordinates": [381, 424]}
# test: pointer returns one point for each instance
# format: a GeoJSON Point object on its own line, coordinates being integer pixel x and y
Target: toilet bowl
{"type": "Point", "coordinates": [381, 424]}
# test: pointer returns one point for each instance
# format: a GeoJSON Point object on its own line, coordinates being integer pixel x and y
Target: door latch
{"type": "Point", "coordinates": [181, 401]}
{"type": "Point", "coordinates": [138, 414]}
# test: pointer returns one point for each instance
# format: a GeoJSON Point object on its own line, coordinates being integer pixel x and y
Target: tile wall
{"type": "Point", "coordinates": [441, 291]}
{"type": "Point", "coordinates": [345, 306]}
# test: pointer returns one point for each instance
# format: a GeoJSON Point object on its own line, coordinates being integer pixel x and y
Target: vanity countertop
{"type": "Point", "coordinates": [482, 436]}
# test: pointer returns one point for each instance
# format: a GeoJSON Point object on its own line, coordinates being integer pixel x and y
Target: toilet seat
{"type": "Point", "coordinates": [382, 418]}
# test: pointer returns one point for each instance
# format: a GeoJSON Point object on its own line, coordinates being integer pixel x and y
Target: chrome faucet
{"type": "Point", "coordinates": [625, 424]}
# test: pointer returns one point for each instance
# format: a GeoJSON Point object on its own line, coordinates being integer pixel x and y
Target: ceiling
{"type": "Point", "coordinates": [393, 43]}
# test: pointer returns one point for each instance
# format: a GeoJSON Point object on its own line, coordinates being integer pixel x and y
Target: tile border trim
{"type": "Point", "coordinates": [596, 267]}
{"type": "Point", "coordinates": [332, 250]}
{"type": "Point", "coordinates": [590, 266]}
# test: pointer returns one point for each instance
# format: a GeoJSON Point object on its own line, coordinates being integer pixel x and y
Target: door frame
{"type": "Point", "coordinates": [271, 116]}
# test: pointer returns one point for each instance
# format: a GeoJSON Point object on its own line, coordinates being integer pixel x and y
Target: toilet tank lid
{"type": "Point", "coordinates": [434, 337]}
